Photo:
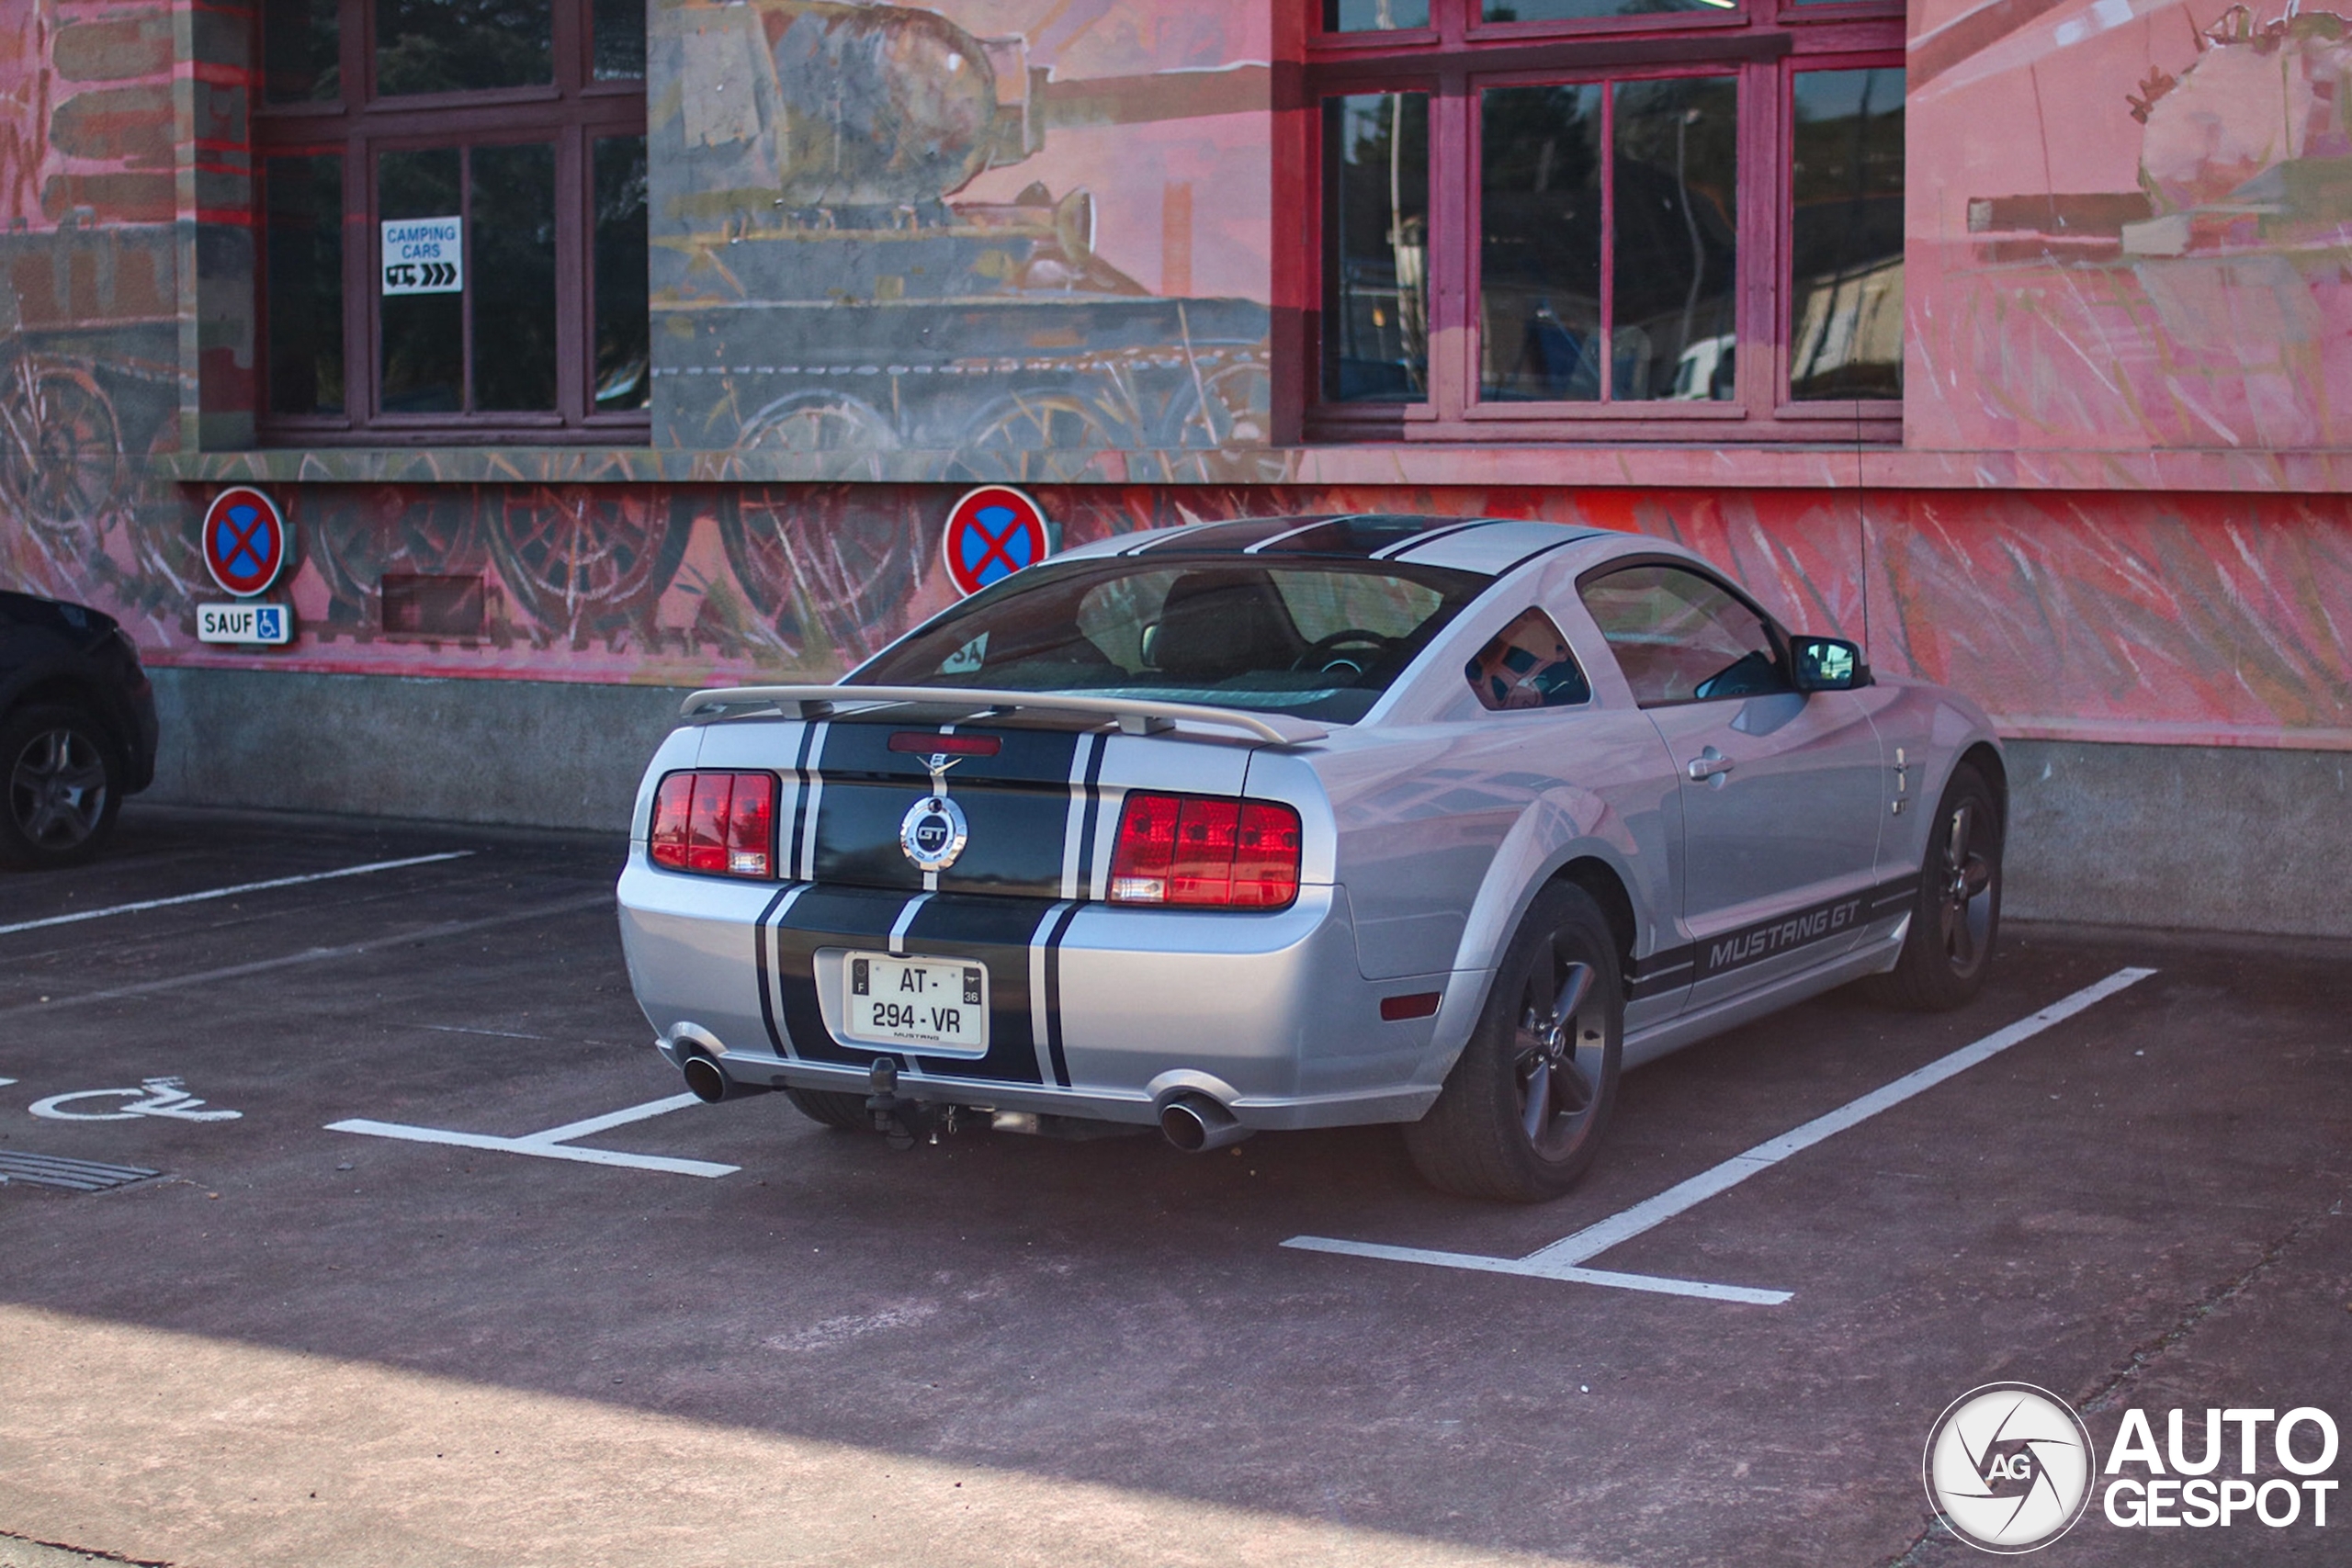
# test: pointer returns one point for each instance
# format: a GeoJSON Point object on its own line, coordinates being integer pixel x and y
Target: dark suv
{"type": "Point", "coordinates": [77, 729]}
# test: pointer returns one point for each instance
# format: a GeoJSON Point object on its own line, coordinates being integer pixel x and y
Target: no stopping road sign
{"type": "Point", "coordinates": [244, 541]}
{"type": "Point", "coordinates": [992, 533]}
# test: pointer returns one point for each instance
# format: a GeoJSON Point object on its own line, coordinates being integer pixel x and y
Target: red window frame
{"type": "Point", "coordinates": [1763, 42]}
{"type": "Point", "coordinates": [572, 112]}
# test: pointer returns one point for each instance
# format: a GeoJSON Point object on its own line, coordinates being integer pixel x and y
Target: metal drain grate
{"type": "Point", "coordinates": [73, 1175]}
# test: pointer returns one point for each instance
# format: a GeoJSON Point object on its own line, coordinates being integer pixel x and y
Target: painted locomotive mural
{"type": "Point", "coordinates": [2179, 275]}
{"type": "Point", "coordinates": [839, 268]}
{"type": "Point", "coordinates": [1088, 221]}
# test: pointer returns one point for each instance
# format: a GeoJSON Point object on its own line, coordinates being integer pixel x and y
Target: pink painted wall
{"type": "Point", "coordinates": [2046, 315]}
{"type": "Point", "coordinates": [2130, 228]}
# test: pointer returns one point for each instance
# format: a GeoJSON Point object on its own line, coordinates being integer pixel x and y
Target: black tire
{"type": "Point", "coordinates": [845, 1111]}
{"type": "Point", "coordinates": [61, 787]}
{"type": "Point", "coordinates": [1487, 1137]}
{"type": "Point", "coordinates": [1957, 917]}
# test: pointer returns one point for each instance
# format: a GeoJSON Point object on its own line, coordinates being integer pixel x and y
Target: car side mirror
{"type": "Point", "coordinates": [1826, 664]}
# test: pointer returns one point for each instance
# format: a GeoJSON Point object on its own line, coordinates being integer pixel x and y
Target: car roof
{"type": "Point", "coordinates": [1489, 546]}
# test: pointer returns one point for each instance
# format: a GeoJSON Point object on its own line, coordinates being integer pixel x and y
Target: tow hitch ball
{"type": "Point", "coordinates": [905, 1122]}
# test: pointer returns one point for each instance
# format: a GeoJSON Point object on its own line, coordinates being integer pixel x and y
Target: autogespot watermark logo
{"type": "Point", "coordinates": [2008, 1466]}
{"type": "Point", "coordinates": [2012, 1467]}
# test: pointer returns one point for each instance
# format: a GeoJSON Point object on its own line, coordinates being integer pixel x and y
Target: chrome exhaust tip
{"type": "Point", "coordinates": [1196, 1124]}
{"type": "Point", "coordinates": [707, 1082]}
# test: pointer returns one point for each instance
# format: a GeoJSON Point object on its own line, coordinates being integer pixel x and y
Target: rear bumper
{"type": "Point", "coordinates": [1096, 1011]}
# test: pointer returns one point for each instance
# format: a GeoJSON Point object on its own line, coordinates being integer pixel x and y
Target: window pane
{"type": "Point", "coordinates": [511, 271]}
{"type": "Point", "coordinates": [1374, 16]}
{"type": "Point", "coordinates": [1375, 155]}
{"type": "Point", "coordinates": [1680, 638]}
{"type": "Point", "coordinates": [458, 46]}
{"type": "Point", "coordinates": [1846, 242]}
{"type": "Point", "coordinates": [1676, 223]}
{"type": "Point", "coordinates": [1539, 245]}
{"type": "Point", "coordinates": [1526, 665]}
{"type": "Point", "coordinates": [623, 331]}
{"type": "Point", "coordinates": [300, 51]}
{"type": "Point", "coordinates": [1585, 10]}
{"type": "Point", "coordinates": [620, 39]}
{"type": "Point", "coordinates": [304, 282]}
{"type": "Point", "coordinates": [422, 333]}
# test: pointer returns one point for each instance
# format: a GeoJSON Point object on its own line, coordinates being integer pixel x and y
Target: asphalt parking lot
{"type": "Point", "coordinates": [753, 1340]}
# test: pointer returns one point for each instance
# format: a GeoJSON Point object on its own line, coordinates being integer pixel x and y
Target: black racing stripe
{"type": "Point", "coordinates": [1356, 537]}
{"type": "Point", "coordinates": [1801, 927]}
{"type": "Point", "coordinates": [760, 964]}
{"type": "Point", "coordinates": [1221, 536]}
{"type": "Point", "coordinates": [1086, 823]}
{"type": "Point", "coordinates": [1431, 535]}
{"type": "Point", "coordinates": [991, 930]}
{"type": "Point", "coordinates": [1017, 803]}
{"type": "Point", "coordinates": [829, 916]}
{"type": "Point", "coordinates": [1542, 551]}
{"type": "Point", "coordinates": [996, 931]}
{"type": "Point", "coordinates": [1054, 995]}
{"type": "Point", "coordinates": [790, 858]}
{"type": "Point", "coordinates": [1894, 895]}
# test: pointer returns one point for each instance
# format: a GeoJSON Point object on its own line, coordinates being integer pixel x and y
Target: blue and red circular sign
{"type": "Point", "coordinates": [244, 541]}
{"type": "Point", "coordinates": [992, 534]}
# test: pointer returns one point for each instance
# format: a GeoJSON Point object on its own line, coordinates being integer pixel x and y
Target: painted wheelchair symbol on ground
{"type": "Point", "coordinates": [154, 1097]}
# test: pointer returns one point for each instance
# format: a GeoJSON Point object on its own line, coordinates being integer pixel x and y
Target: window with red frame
{"type": "Point", "coordinates": [1609, 220]}
{"type": "Point", "coordinates": [522, 119]}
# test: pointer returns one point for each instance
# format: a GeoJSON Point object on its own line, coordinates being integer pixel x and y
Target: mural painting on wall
{"type": "Point", "coordinates": [934, 243]}
{"type": "Point", "coordinates": [90, 380]}
{"type": "Point", "coordinates": [2159, 255]}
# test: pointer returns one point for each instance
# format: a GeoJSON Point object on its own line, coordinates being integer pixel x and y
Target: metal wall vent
{"type": "Point", "coordinates": [73, 1175]}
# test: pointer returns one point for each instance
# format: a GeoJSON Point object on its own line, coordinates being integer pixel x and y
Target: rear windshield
{"type": "Point", "coordinates": [1320, 639]}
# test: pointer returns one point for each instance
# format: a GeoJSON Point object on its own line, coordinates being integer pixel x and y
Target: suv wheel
{"type": "Point", "coordinates": [60, 787]}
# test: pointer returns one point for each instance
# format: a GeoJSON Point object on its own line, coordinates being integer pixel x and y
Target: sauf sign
{"type": "Point", "coordinates": [425, 256]}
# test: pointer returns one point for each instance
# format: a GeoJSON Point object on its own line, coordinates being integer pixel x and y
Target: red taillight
{"type": "Point", "coordinates": [1201, 851]}
{"type": "Point", "coordinates": [715, 822]}
{"type": "Point", "coordinates": [667, 841]}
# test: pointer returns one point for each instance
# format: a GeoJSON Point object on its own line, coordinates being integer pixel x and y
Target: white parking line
{"type": "Point", "coordinates": [316, 955]}
{"type": "Point", "coordinates": [1563, 1260]}
{"type": "Point", "coordinates": [145, 904]}
{"type": "Point", "coordinates": [554, 1143]}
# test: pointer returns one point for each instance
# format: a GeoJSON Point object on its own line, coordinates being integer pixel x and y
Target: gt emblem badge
{"type": "Point", "coordinates": [933, 830]}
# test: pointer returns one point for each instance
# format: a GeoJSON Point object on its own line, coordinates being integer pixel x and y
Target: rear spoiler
{"type": "Point", "coordinates": [1135, 715]}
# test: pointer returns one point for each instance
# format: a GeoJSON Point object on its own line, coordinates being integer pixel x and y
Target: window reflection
{"type": "Point", "coordinates": [1588, 11]}
{"type": "Point", "coordinates": [1539, 292]}
{"type": "Point", "coordinates": [1374, 16]}
{"type": "Point", "coordinates": [1665, 230]}
{"type": "Point", "coordinates": [422, 335]}
{"type": "Point", "coordinates": [1677, 236]}
{"type": "Point", "coordinates": [623, 327]}
{"type": "Point", "coordinates": [462, 46]}
{"type": "Point", "coordinates": [301, 55]}
{"type": "Point", "coordinates": [303, 283]}
{"type": "Point", "coordinates": [1846, 243]}
{"type": "Point", "coordinates": [511, 271]}
{"type": "Point", "coordinates": [620, 39]}
{"type": "Point", "coordinates": [1376, 152]}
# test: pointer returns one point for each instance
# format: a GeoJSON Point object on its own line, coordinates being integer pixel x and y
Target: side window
{"type": "Point", "coordinates": [1680, 638]}
{"type": "Point", "coordinates": [1527, 665]}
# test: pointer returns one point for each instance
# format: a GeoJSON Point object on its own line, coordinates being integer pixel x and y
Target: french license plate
{"type": "Point", "coordinates": [918, 1001]}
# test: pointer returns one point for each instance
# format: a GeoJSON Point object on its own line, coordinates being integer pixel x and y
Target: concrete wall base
{"type": "Point", "coordinates": [2179, 836]}
{"type": "Point", "coordinates": [531, 753]}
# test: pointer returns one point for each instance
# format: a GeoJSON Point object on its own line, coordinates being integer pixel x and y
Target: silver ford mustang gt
{"type": "Point", "coordinates": [1299, 823]}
